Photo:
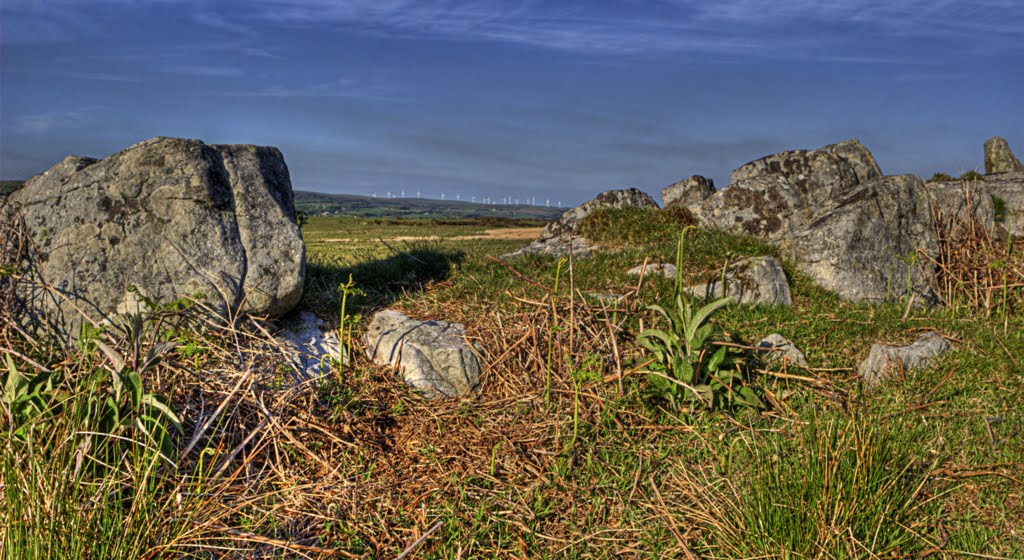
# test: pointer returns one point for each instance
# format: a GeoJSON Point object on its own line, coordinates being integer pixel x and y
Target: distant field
{"type": "Point", "coordinates": [346, 240]}
{"type": "Point", "coordinates": [365, 206]}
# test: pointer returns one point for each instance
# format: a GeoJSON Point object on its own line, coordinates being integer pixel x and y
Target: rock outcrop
{"type": "Point", "coordinates": [817, 177]}
{"type": "Point", "coordinates": [432, 356]}
{"type": "Point", "coordinates": [777, 194]}
{"type": "Point", "coordinates": [755, 280]}
{"type": "Point", "coordinates": [164, 219]}
{"type": "Point", "coordinates": [886, 361]}
{"type": "Point", "coordinates": [689, 192]}
{"type": "Point", "coordinates": [865, 249]}
{"type": "Point", "coordinates": [561, 235]}
{"type": "Point", "coordinates": [999, 157]}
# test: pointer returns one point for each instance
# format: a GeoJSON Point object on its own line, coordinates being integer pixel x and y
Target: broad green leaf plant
{"type": "Point", "coordinates": [691, 367]}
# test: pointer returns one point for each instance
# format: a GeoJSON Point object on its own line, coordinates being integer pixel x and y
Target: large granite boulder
{"type": "Point", "coordinates": [780, 193]}
{"type": "Point", "coordinates": [999, 157]}
{"type": "Point", "coordinates": [866, 247]}
{"type": "Point", "coordinates": [768, 207]}
{"type": "Point", "coordinates": [560, 237]}
{"type": "Point", "coordinates": [817, 176]}
{"type": "Point", "coordinates": [689, 192]}
{"type": "Point", "coordinates": [431, 356]}
{"type": "Point", "coordinates": [164, 219]}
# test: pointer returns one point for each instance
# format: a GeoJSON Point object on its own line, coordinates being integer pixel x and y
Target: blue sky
{"type": "Point", "coordinates": [544, 99]}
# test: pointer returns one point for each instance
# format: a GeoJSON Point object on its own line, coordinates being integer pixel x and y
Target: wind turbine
{"type": "Point", "coordinates": [458, 196]}
{"type": "Point", "coordinates": [403, 193]}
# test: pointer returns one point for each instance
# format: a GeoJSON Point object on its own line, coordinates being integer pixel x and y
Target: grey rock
{"type": "Point", "coordinates": [607, 298]}
{"type": "Point", "coordinates": [1009, 189]}
{"type": "Point", "coordinates": [560, 246]}
{"type": "Point", "coordinates": [560, 237]}
{"type": "Point", "coordinates": [432, 356]}
{"type": "Point", "coordinates": [780, 193]}
{"type": "Point", "coordinates": [778, 349]}
{"type": "Point", "coordinates": [953, 202]}
{"type": "Point", "coordinates": [689, 192]}
{"type": "Point", "coordinates": [817, 177]}
{"type": "Point", "coordinates": [309, 347]}
{"type": "Point", "coordinates": [755, 280]}
{"type": "Point", "coordinates": [886, 361]}
{"type": "Point", "coordinates": [865, 249]}
{"type": "Point", "coordinates": [767, 207]}
{"type": "Point", "coordinates": [662, 269]}
{"type": "Point", "coordinates": [858, 156]}
{"type": "Point", "coordinates": [999, 157]}
{"type": "Point", "coordinates": [171, 217]}
{"type": "Point", "coordinates": [570, 220]}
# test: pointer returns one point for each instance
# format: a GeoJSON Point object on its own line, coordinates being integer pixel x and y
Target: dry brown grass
{"type": "Point", "coordinates": [979, 267]}
{"type": "Point", "coordinates": [362, 467]}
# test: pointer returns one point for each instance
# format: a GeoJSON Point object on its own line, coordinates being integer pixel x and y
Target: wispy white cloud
{"type": "Point", "coordinates": [203, 70]}
{"type": "Point", "coordinates": [340, 87]}
{"type": "Point", "coordinates": [725, 26]}
{"type": "Point", "coordinates": [41, 123]}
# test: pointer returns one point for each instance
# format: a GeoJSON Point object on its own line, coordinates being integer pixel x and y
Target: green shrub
{"type": "Point", "coordinates": [972, 176]}
{"type": "Point", "coordinates": [632, 225]}
{"type": "Point", "coordinates": [1000, 209]}
{"type": "Point", "coordinates": [939, 176]}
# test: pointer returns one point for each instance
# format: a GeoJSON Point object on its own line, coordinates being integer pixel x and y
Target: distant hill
{"type": "Point", "coordinates": [10, 186]}
{"type": "Point", "coordinates": [315, 204]}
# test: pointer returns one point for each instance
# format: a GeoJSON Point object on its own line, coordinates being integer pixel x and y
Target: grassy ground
{"type": "Point", "coordinates": [565, 451]}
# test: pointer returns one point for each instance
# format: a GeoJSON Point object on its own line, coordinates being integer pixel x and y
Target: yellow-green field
{"type": "Point", "coordinates": [344, 240]}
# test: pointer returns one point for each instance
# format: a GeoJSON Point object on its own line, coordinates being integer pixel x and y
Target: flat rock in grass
{"type": "Point", "coordinates": [663, 269]}
{"type": "Point", "coordinates": [309, 346]}
{"type": "Point", "coordinates": [755, 280]}
{"type": "Point", "coordinates": [432, 356]}
{"type": "Point", "coordinates": [777, 348]}
{"type": "Point", "coordinates": [886, 361]}
{"type": "Point", "coordinates": [561, 246]}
